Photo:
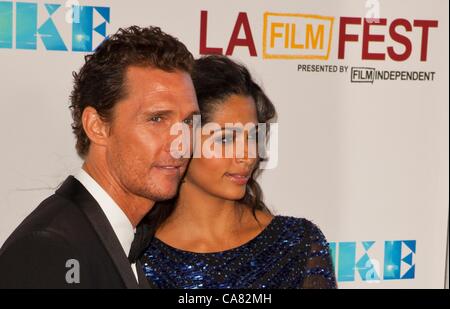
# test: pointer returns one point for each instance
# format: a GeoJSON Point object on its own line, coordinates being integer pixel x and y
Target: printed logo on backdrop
{"type": "Point", "coordinates": [372, 261]}
{"type": "Point", "coordinates": [310, 37]}
{"type": "Point", "coordinates": [65, 26]}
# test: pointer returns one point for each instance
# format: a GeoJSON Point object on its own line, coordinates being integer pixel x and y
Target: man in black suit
{"type": "Point", "coordinates": [90, 233]}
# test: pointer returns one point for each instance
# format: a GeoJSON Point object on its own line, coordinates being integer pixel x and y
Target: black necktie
{"type": "Point", "coordinates": [141, 241]}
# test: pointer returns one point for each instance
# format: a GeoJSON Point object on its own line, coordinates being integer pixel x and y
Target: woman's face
{"type": "Point", "coordinates": [226, 174]}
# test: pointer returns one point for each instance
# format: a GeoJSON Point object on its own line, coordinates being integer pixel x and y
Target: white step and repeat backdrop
{"type": "Point", "coordinates": [361, 89]}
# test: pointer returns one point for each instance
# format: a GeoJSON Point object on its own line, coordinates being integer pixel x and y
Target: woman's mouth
{"type": "Point", "coordinates": [238, 178]}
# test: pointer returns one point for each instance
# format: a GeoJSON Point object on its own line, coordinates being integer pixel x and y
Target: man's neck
{"type": "Point", "coordinates": [134, 207]}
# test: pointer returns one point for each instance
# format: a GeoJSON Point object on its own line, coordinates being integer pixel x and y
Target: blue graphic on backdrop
{"type": "Point", "coordinates": [80, 18]}
{"type": "Point", "coordinates": [396, 264]}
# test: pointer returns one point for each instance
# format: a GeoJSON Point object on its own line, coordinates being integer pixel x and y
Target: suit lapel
{"type": "Point", "coordinates": [144, 283]}
{"type": "Point", "coordinates": [75, 191]}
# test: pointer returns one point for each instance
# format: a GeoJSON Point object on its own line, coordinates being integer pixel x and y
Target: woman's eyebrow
{"type": "Point", "coordinates": [237, 129]}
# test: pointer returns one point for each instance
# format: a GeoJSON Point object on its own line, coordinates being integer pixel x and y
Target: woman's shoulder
{"type": "Point", "coordinates": [299, 225]}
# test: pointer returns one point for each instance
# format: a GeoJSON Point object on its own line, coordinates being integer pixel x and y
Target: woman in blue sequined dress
{"type": "Point", "coordinates": [217, 232]}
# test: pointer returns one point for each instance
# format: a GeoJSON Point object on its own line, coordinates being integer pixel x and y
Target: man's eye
{"type": "Point", "coordinates": [156, 118]}
{"type": "Point", "coordinates": [189, 122]}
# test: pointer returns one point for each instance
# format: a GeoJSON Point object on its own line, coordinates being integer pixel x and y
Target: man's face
{"type": "Point", "coordinates": [138, 150]}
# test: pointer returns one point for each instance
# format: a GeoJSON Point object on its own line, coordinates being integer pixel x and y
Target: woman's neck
{"type": "Point", "coordinates": [202, 222]}
{"type": "Point", "coordinates": [206, 213]}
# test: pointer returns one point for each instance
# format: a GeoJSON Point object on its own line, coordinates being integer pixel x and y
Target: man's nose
{"type": "Point", "coordinates": [179, 145]}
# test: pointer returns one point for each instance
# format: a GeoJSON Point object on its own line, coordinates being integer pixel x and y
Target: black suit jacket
{"type": "Point", "coordinates": [67, 230]}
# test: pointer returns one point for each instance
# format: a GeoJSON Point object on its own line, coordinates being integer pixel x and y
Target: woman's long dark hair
{"type": "Point", "coordinates": [216, 78]}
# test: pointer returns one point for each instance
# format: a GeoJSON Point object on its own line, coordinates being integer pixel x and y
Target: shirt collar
{"type": "Point", "coordinates": [120, 223]}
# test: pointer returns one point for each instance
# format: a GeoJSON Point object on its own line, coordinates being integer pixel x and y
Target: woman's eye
{"type": "Point", "coordinates": [253, 136]}
{"type": "Point", "coordinates": [225, 139]}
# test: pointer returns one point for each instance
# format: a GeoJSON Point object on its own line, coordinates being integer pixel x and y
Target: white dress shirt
{"type": "Point", "coordinates": [120, 223]}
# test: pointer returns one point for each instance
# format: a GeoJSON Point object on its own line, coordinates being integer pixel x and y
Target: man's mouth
{"type": "Point", "coordinates": [169, 168]}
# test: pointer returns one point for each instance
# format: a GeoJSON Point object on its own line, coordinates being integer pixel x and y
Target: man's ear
{"type": "Point", "coordinates": [95, 127]}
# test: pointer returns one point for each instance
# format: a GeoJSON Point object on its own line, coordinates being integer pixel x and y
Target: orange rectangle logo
{"type": "Point", "coordinates": [297, 36]}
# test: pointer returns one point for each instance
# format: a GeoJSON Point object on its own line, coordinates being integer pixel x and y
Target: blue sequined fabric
{"type": "Point", "coordinates": [289, 253]}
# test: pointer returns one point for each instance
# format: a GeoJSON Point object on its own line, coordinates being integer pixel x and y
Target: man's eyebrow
{"type": "Point", "coordinates": [165, 112]}
{"type": "Point", "coordinates": [192, 114]}
{"type": "Point", "coordinates": [159, 112]}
